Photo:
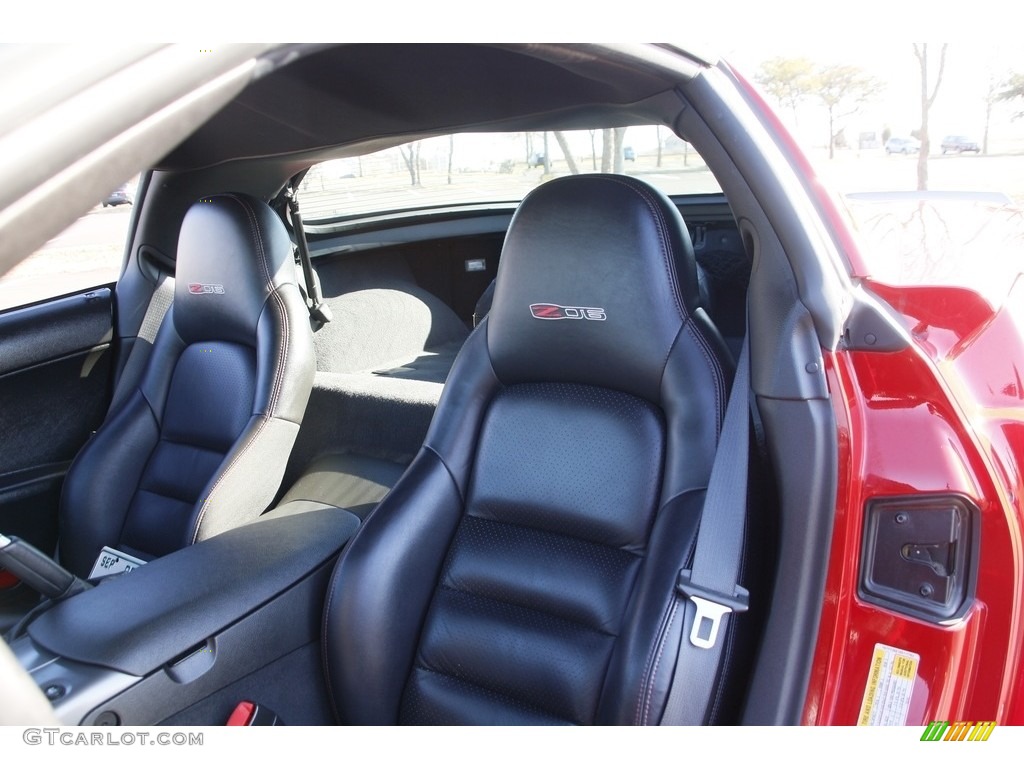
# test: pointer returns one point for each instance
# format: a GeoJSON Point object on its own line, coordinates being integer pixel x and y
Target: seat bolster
{"type": "Point", "coordinates": [95, 500]}
{"type": "Point", "coordinates": [381, 590]}
{"type": "Point", "coordinates": [640, 670]}
{"type": "Point", "coordinates": [694, 392]}
{"type": "Point", "coordinates": [247, 480]}
{"type": "Point", "coordinates": [155, 383]}
{"type": "Point", "coordinates": [467, 395]}
{"type": "Point", "coordinates": [284, 349]}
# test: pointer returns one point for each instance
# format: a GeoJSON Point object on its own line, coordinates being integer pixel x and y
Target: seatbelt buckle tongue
{"type": "Point", "coordinates": [711, 607]}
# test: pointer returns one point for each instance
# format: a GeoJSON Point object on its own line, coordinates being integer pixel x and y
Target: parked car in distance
{"type": "Point", "coordinates": [628, 153]}
{"type": "Point", "coordinates": [902, 146]}
{"type": "Point", "coordinates": [536, 160]}
{"type": "Point", "coordinates": [959, 144]}
{"type": "Point", "coordinates": [118, 197]}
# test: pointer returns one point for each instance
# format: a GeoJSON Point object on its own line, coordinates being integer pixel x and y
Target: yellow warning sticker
{"type": "Point", "coordinates": [890, 683]}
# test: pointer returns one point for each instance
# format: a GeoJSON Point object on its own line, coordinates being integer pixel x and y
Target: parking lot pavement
{"type": "Point", "coordinates": [86, 254]}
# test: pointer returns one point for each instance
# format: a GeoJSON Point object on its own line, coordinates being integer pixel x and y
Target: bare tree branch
{"type": "Point", "coordinates": [840, 86]}
{"type": "Point", "coordinates": [928, 96]}
{"type": "Point", "coordinates": [606, 150]}
{"type": "Point", "coordinates": [451, 152]}
{"type": "Point", "coordinates": [411, 156]}
{"type": "Point", "coordinates": [1012, 88]}
{"type": "Point", "coordinates": [620, 135]}
{"type": "Point", "coordinates": [569, 159]}
{"type": "Point", "coordinates": [789, 81]}
{"type": "Point", "coordinates": [938, 79]}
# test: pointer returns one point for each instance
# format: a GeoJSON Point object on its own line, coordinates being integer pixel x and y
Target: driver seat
{"type": "Point", "coordinates": [200, 443]}
{"type": "Point", "coordinates": [523, 570]}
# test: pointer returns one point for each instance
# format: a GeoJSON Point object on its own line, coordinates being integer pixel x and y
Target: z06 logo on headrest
{"type": "Point", "coordinates": [558, 312]}
{"type": "Point", "coordinates": [205, 288]}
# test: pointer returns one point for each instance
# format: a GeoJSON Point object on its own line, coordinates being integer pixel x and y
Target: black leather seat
{"type": "Point", "coordinates": [523, 570]}
{"type": "Point", "coordinates": [200, 445]}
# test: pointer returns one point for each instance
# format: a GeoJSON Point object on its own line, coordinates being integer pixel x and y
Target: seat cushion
{"type": "Point", "coordinates": [347, 480]}
{"type": "Point", "coordinates": [544, 561]}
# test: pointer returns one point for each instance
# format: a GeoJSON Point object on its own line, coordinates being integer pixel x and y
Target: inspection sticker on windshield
{"type": "Point", "coordinates": [890, 683]}
{"type": "Point", "coordinates": [112, 561]}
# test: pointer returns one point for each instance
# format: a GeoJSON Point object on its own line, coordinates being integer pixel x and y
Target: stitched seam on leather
{"type": "Point", "coordinates": [149, 458]}
{"type": "Point", "coordinates": [278, 376]}
{"type": "Point", "coordinates": [323, 637]}
{"type": "Point", "coordinates": [190, 502]}
{"type": "Point", "coordinates": [451, 475]}
{"type": "Point", "coordinates": [282, 345]}
{"type": "Point", "coordinates": [667, 620]}
{"type": "Point", "coordinates": [664, 365]}
{"type": "Point", "coordinates": [529, 609]}
{"type": "Point", "coordinates": [666, 252]}
{"type": "Point", "coordinates": [499, 694]}
{"type": "Point", "coordinates": [264, 420]}
{"type": "Point", "coordinates": [668, 501]}
{"type": "Point", "coordinates": [138, 386]}
{"type": "Point", "coordinates": [152, 410]}
{"type": "Point", "coordinates": [662, 230]}
{"type": "Point", "coordinates": [282, 350]}
{"type": "Point", "coordinates": [197, 446]}
{"type": "Point", "coordinates": [722, 678]}
{"type": "Point", "coordinates": [548, 531]}
{"type": "Point", "coordinates": [657, 661]}
{"type": "Point", "coordinates": [646, 679]}
{"type": "Point", "coordinates": [716, 373]}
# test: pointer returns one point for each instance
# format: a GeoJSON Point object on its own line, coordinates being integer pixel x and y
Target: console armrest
{"type": "Point", "coordinates": [137, 622]}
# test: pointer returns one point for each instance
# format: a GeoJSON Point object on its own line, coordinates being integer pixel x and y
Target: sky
{"type": "Point", "coordinates": [717, 24]}
{"type": "Point", "coordinates": [959, 106]}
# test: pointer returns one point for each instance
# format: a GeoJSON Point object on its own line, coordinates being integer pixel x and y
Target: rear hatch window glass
{"type": "Point", "coordinates": [481, 168]}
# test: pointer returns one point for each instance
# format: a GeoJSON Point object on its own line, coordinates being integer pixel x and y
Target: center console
{"type": "Point", "coordinates": [184, 638]}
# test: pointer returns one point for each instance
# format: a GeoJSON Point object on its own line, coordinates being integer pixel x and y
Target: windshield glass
{"type": "Point", "coordinates": [481, 168]}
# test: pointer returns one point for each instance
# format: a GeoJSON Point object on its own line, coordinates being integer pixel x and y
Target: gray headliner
{"type": "Point", "coordinates": [357, 98]}
{"type": "Point", "coordinates": [81, 119]}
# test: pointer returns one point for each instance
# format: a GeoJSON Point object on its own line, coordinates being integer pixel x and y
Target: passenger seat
{"type": "Point", "coordinates": [523, 570]}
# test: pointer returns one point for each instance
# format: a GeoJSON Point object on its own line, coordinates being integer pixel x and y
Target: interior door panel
{"type": "Point", "coordinates": [55, 364]}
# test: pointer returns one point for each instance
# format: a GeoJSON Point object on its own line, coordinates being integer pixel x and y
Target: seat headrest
{"type": "Point", "coordinates": [597, 277]}
{"type": "Point", "coordinates": [233, 252]}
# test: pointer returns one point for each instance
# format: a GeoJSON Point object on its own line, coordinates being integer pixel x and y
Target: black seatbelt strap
{"type": "Point", "coordinates": [319, 313]}
{"type": "Point", "coordinates": [710, 585]}
{"type": "Point", "coordinates": [159, 303]}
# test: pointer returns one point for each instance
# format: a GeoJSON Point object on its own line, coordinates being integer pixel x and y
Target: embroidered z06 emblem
{"type": "Point", "coordinates": [205, 288]}
{"type": "Point", "coordinates": [558, 312]}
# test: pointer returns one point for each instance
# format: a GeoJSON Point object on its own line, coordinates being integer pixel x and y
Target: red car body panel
{"type": "Point", "coordinates": [900, 434]}
{"type": "Point", "coordinates": [945, 415]}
